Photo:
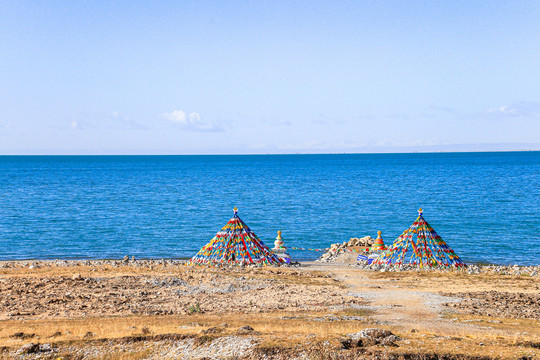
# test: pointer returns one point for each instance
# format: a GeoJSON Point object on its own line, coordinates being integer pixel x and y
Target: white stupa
{"type": "Point", "coordinates": [280, 250]}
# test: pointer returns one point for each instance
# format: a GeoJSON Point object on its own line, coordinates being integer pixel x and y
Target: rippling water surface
{"type": "Point", "coordinates": [485, 205]}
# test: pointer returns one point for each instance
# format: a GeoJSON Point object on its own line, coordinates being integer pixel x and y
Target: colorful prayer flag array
{"type": "Point", "coordinates": [429, 249]}
{"type": "Point", "coordinates": [235, 244]}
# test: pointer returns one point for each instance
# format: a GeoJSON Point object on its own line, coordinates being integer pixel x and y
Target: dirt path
{"type": "Point", "coordinates": [397, 306]}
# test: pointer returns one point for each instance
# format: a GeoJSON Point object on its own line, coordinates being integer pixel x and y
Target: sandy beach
{"type": "Point", "coordinates": [161, 309]}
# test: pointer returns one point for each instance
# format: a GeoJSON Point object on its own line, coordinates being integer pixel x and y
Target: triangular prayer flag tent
{"type": "Point", "coordinates": [428, 250]}
{"type": "Point", "coordinates": [235, 244]}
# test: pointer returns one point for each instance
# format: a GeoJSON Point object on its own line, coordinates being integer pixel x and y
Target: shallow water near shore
{"type": "Point", "coordinates": [484, 205]}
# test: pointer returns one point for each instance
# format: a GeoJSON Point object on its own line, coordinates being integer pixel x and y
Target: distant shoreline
{"type": "Point", "coordinates": [280, 154]}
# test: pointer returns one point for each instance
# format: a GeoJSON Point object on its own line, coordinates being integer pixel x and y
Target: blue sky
{"type": "Point", "coordinates": [173, 77]}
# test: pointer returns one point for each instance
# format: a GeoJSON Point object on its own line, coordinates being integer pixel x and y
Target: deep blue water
{"type": "Point", "coordinates": [484, 205]}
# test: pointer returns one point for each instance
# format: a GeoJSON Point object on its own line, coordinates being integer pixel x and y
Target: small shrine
{"type": "Point", "coordinates": [280, 250]}
{"type": "Point", "coordinates": [378, 245]}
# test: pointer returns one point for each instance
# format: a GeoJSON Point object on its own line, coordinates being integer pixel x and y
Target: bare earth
{"type": "Point", "coordinates": [155, 310]}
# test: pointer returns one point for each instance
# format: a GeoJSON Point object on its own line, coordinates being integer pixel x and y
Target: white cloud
{"type": "Point", "coordinates": [74, 125]}
{"type": "Point", "coordinates": [520, 109]}
{"type": "Point", "coordinates": [191, 121]}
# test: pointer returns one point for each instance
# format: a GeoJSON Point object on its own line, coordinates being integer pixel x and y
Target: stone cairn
{"type": "Point", "coordinates": [341, 248]}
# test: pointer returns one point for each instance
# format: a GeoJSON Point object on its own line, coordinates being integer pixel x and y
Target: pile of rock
{"type": "Point", "coordinates": [365, 241]}
{"type": "Point", "coordinates": [341, 248]}
{"type": "Point", "coordinates": [370, 337]}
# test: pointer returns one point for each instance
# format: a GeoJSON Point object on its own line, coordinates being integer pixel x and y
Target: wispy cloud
{"type": "Point", "coordinates": [120, 121]}
{"type": "Point", "coordinates": [520, 109]}
{"type": "Point", "coordinates": [191, 121]}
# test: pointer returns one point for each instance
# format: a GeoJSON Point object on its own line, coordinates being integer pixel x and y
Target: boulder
{"type": "Point", "coordinates": [246, 330]}
{"type": "Point", "coordinates": [353, 242]}
{"type": "Point", "coordinates": [363, 241]}
{"type": "Point", "coordinates": [366, 241]}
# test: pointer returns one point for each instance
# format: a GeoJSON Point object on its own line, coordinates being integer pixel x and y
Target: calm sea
{"type": "Point", "coordinates": [484, 205]}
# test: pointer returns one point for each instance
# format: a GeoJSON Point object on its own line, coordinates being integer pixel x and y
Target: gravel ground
{"type": "Point", "coordinates": [73, 289]}
{"type": "Point", "coordinates": [498, 304]}
{"type": "Point", "coordinates": [30, 296]}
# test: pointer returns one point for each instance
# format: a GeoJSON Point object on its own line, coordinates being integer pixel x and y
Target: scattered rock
{"type": "Point", "coordinates": [77, 277]}
{"type": "Point", "coordinates": [532, 271]}
{"type": "Point", "coordinates": [497, 304]}
{"type": "Point", "coordinates": [30, 348]}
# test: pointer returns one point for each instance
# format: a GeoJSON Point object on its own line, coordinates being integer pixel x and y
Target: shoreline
{"type": "Point", "coordinates": [185, 259]}
{"type": "Point", "coordinates": [345, 260]}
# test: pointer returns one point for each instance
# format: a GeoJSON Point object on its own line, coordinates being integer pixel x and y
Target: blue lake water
{"type": "Point", "coordinates": [484, 205]}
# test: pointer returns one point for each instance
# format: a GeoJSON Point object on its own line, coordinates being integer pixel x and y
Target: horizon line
{"type": "Point", "coordinates": [287, 153]}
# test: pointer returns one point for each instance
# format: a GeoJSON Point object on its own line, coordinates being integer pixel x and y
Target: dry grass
{"type": "Point", "coordinates": [116, 327]}
{"type": "Point", "coordinates": [524, 328]}
{"type": "Point", "coordinates": [274, 332]}
{"type": "Point", "coordinates": [361, 312]}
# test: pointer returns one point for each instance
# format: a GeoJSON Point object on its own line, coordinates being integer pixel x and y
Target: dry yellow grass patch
{"type": "Point", "coordinates": [273, 332]}
{"type": "Point", "coordinates": [116, 327]}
